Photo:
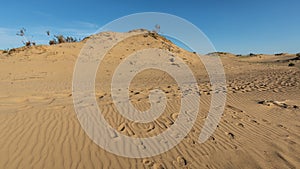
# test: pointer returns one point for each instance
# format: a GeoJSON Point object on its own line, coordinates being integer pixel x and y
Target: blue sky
{"type": "Point", "coordinates": [237, 26]}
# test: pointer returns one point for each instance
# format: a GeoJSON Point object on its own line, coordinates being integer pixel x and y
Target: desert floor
{"type": "Point", "coordinates": [260, 127]}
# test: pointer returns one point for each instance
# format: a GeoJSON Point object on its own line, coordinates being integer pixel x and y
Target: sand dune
{"type": "Point", "coordinates": [39, 127]}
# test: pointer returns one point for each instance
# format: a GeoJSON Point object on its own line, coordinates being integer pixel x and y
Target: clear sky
{"type": "Point", "coordinates": [237, 26]}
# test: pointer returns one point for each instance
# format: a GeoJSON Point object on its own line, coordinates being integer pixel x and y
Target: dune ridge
{"type": "Point", "coordinates": [39, 128]}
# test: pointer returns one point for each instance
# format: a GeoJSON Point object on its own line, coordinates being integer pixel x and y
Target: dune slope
{"type": "Point", "coordinates": [39, 129]}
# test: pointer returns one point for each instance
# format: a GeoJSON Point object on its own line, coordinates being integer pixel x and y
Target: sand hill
{"type": "Point", "coordinates": [39, 129]}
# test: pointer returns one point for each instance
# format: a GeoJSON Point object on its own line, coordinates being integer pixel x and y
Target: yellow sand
{"type": "Point", "coordinates": [260, 127]}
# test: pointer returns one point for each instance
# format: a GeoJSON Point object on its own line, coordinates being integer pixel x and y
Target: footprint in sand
{"type": "Point", "coordinates": [254, 121]}
{"type": "Point", "coordinates": [148, 163]}
{"type": "Point", "coordinates": [266, 121]}
{"type": "Point", "coordinates": [158, 166]}
{"type": "Point", "coordinates": [180, 162]}
{"type": "Point", "coordinates": [281, 126]}
{"type": "Point", "coordinates": [240, 124]}
{"type": "Point", "coordinates": [234, 108]}
{"type": "Point", "coordinates": [152, 164]}
{"type": "Point", "coordinates": [231, 135]}
{"type": "Point", "coordinates": [280, 104]}
{"type": "Point", "coordinates": [143, 127]}
{"type": "Point", "coordinates": [191, 141]}
{"type": "Point", "coordinates": [125, 129]}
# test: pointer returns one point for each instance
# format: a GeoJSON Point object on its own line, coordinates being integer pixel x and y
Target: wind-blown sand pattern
{"type": "Point", "coordinates": [39, 129]}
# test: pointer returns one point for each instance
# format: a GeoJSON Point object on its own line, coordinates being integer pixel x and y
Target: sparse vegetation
{"type": "Point", "coordinates": [151, 34]}
{"type": "Point", "coordinates": [61, 39]}
{"type": "Point", "coordinates": [8, 51]}
{"type": "Point", "coordinates": [28, 43]}
{"type": "Point", "coordinates": [279, 54]}
{"type": "Point", "coordinates": [156, 28]}
{"type": "Point", "coordinates": [298, 54]}
{"type": "Point", "coordinates": [11, 51]}
{"type": "Point", "coordinates": [22, 34]}
{"type": "Point", "coordinates": [5, 51]}
{"type": "Point", "coordinates": [52, 42]}
{"type": "Point", "coordinates": [71, 39]}
{"type": "Point", "coordinates": [56, 40]}
{"type": "Point", "coordinates": [291, 64]}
